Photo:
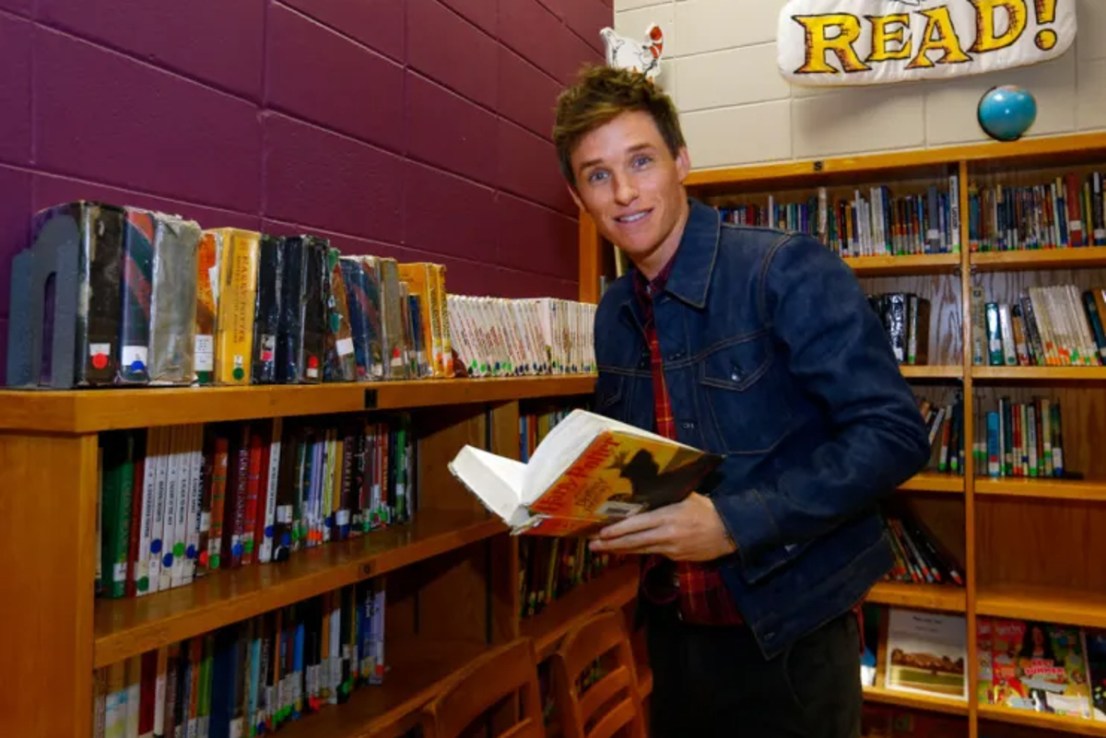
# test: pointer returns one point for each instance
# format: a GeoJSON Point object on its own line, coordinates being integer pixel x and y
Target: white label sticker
{"type": "Point", "coordinates": [205, 353]}
{"type": "Point", "coordinates": [345, 346]}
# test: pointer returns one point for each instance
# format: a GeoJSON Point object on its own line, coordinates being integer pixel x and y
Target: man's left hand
{"type": "Point", "coordinates": [687, 531]}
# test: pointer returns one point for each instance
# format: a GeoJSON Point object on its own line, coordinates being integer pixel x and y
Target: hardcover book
{"type": "Point", "coordinates": [173, 302]}
{"type": "Point", "coordinates": [588, 471]}
{"type": "Point", "coordinates": [134, 341]}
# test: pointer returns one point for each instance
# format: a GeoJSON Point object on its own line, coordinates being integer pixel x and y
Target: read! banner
{"type": "Point", "coordinates": [870, 42]}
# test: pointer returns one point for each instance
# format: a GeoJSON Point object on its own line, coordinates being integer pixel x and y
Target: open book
{"type": "Point", "coordinates": [589, 470]}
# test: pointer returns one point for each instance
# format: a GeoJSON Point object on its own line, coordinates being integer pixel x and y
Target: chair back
{"type": "Point", "coordinates": [595, 680]}
{"type": "Point", "coordinates": [504, 676]}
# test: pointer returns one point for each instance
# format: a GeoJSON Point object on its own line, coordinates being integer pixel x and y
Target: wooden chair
{"type": "Point", "coordinates": [610, 703]}
{"type": "Point", "coordinates": [505, 676]}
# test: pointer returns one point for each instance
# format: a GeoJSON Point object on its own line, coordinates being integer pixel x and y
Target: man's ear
{"type": "Point", "coordinates": [683, 163]}
{"type": "Point", "coordinates": [576, 197]}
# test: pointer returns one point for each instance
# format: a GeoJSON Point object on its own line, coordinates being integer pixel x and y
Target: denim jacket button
{"type": "Point", "coordinates": [735, 376]}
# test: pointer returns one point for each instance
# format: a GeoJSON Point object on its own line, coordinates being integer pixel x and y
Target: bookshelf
{"type": "Point", "coordinates": [451, 574]}
{"type": "Point", "coordinates": [1031, 547]}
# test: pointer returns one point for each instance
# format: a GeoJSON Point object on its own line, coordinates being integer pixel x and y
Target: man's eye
{"type": "Point", "coordinates": [640, 161]}
{"type": "Point", "coordinates": [597, 176]}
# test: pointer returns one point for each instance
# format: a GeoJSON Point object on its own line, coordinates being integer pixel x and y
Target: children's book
{"type": "Point", "coordinates": [588, 471]}
{"type": "Point", "coordinates": [926, 653]}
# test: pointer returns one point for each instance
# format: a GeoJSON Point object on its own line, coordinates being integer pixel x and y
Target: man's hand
{"type": "Point", "coordinates": [687, 531]}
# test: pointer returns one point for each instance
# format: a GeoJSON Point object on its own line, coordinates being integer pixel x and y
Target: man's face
{"type": "Point", "coordinates": [632, 186]}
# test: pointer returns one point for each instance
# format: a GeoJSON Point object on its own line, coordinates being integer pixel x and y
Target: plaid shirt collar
{"type": "Point", "coordinates": [647, 289]}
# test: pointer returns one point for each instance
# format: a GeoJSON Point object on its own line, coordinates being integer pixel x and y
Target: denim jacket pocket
{"type": "Point", "coordinates": [741, 391]}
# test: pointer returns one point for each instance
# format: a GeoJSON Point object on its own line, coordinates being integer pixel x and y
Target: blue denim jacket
{"type": "Point", "coordinates": [774, 358]}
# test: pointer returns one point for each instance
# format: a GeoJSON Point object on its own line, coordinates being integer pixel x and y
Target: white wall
{"type": "Point", "coordinates": [737, 109]}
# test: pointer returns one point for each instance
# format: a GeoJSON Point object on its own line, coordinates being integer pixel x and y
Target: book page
{"type": "Point", "coordinates": [494, 479]}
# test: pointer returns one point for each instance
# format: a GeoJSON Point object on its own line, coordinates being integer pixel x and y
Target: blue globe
{"type": "Point", "coordinates": [1006, 112]}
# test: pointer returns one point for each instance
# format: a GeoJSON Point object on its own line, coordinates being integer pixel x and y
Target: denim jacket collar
{"type": "Point", "coordinates": [691, 273]}
{"type": "Point", "coordinates": [693, 263]}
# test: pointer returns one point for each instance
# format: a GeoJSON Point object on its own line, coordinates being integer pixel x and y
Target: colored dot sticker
{"type": "Point", "coordinates": [100, 361]}
{"type": "Point", "coordinates": [248, 547]}
{"type": "Point", "coordinates": [178, 549]}
{"type": "Point", "coordinates": [236, 549]}
{"type": "Point", "coordinates": [167, 560]}
{"type": "Point", "coordinates": [204, 558]}
{"type": "Point", "coordinates": [286, 540]}
{"type": "Point", "coordinates": [329, 521]}
{"type": "Point", "coordinates": [268, 531]}
{"type": "Point", "coordinates": [238, 373]}
{"type": "Point", "coordinates": [155, 546]}
{"type": "Point", "coordinates": [137, 366]}
{"type": "Point", "coordinates": [190, 552]}
{"type": "Point", "coordinates": [142, 584]}
{"type": "Point", "coordinates": [215, 561]}
{"type": "Point", "coordinates": [313, 362]}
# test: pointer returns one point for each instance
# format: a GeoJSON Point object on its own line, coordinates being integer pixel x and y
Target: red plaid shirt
{"type": "Point", "coordinates": [702, 595]}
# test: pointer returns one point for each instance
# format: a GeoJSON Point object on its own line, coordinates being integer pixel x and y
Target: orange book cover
{"type": "Point", "coordinates": [588, 471]}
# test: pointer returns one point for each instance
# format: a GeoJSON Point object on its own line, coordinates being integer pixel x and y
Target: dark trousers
{"type": "Point", "coordinates": [715, 683]}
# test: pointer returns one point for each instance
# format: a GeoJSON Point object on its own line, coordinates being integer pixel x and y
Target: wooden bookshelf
{"type": "Point", "coordinates": [937, 371]}
{"type": "Point", "coordinates": [1088, 257]}
{"type": "Point", "coordinates": [929, 703]}
{"type": "Point", "coordinates": [450, 574]}
{"type": "Point", "coordinates": [1040, 374]}
{"type": "Point", "coordinates": [85, 411]}
{"type": "Point", "coordinates": [131, 626]}
{"type": "Point", "coordinates": [609, 591]}
{"type": "Point", "coordinates": [944, 598]}
{"type": "Point", "coordinates": [1049, 489]}
{"type": "Point", "coordinates": [416, 674]}
{"type": "Point", "coordinates": [952, 484]}
{"type": "Point", "coordinates": [1050, 724]}
{"type": "Point", "coordinates": [886, 266]}
{"type": "Point", "coordinates": [1031, 548]}
{"type": "Point", "coordinates": [1045, 604]}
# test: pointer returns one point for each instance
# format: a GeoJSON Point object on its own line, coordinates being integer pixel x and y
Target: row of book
{"type": "Point", "coordinates": [1043, 667]}
{"type": "Point", "coordinates": [497, 337]}
{"type": "Point", "coordinates": [1020, 439]}
{"type": "Point", "coordinates": [919, 556]}
{"type": "Point", "coordinates": [250, 678]}
{"type": "Point", "coordinates": [1057, 325]}
{"type": "Point", "coordinates": [549, 568]}
{"type": "Point", "coordinates": [138, 297]}
{"type": "Point", "coordinates": [1067, 211]}
{"type": "Point", "coordinates": [873, 222]}
{"type": "Point", "coordinates": [179, 502]}
{"type": "Point", "coordinates": [905, 319]}
{"type": "Point", "coordinates": [945, 425]}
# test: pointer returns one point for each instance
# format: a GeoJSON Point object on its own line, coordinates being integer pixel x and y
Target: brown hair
{"type": "Point", "coordinates": [601, 94]}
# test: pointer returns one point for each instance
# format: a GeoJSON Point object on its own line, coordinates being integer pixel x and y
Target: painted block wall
{"type": "Point", "coordinates": [737, 109]}
{"type": "Point", "coordinates": [418, 129]}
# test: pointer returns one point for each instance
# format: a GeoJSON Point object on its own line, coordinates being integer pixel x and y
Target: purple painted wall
{"type": "Point", "coordinates": [418, 129]}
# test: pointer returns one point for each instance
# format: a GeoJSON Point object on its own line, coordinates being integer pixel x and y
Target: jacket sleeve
{"type": "Point", "coordinates": [836, 350]}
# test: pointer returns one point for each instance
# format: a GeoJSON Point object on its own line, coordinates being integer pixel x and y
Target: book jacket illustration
{"type": "Point", "coordinates": [619, 475]}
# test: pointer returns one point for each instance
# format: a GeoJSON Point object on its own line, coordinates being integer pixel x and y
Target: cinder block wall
{"type": "Point", "coordinates": [418, 129]}
{"type": "Point", "coordinates": [737, 109]}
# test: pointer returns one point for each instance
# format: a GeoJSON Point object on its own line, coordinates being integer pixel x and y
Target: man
{"type": "Point", "coordinates": [760, 345]}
